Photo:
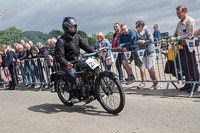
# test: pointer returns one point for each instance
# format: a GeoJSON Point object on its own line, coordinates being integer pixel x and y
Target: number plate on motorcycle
{"type": "Point", "coordinates": [93, 63]}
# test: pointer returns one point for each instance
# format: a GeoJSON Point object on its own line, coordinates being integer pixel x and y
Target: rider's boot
{"type": "Point", "coordinates": [74, 99]}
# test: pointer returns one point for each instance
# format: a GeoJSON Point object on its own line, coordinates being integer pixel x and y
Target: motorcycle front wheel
{"type": "Point", "coordinates": [110, 94]}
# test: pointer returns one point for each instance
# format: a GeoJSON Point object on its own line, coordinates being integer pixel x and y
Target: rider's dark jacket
{"type": "Point", "coordinates": [68, 49]}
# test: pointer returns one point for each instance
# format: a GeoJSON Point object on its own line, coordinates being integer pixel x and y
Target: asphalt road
{"type": "Point", "coordinates": [31, 111]}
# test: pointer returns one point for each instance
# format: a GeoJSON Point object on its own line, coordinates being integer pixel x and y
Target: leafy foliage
{"type": "Point", "coordinates": [13, 35]}
{"type": "Point", "coordinates": [109, 36]}
{"type": "Point", "coordinates": [89, 40]}
{"type": "Point", "coordinates": [55, 33]}
{"type": "Point", "coordinates": [36, 36]}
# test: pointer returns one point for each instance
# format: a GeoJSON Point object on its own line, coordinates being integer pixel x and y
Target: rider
{"type": "Point", "coordinates": [68, 50]}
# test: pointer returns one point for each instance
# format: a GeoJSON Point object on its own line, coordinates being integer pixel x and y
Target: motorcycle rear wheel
{"type": "Point", "coordinates": [63, 92]}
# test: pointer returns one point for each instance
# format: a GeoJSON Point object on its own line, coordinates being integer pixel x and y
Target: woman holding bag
{"type": "Point", "coordinates": [101, 46]}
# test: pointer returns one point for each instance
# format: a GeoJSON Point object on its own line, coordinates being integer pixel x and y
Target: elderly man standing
{"type": "Point", "coordinates": [52, 44]}
{"type": "Point", "coordinates": [22, 42]}
{"type": "Point", "coordinates": [30, 53]}
{"type": "Point", "coordinates": [51, 49]}
{"type": "Point", "coordinates": [185, 28]}
{"type": "Point", "coordinates": [32, 46]}
{"type": "Point", "coordinates": [8, 65]}
{"type": "Point", "coordinates": [21, 56]}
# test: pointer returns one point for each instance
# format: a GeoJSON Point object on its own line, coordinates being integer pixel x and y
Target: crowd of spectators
{"type": "Point", "coordinates": [123, 39]}
{"type": "Point", "coordinates": [30, 74]}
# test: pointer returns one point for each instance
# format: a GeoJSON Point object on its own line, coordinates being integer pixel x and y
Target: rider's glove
{"type": "Point", "coordinates": [69, 65]}
{"type": "Point", "coordinates": [97, 54]}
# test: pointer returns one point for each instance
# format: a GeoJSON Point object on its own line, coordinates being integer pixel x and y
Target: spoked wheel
{"type": "Point", "coordinates": [110, 94]}
{"type": "Point", "coordinates": [63, 93]}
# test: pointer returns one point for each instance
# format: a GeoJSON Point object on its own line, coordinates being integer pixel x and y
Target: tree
{"type": "Point", "coordinates": [83, 35]}
{"type": "Point", "coordinates": [55, 33]}
{"type": "Point", "coordinates": [14, 35]}
{"type": "Point", "coordinates": [11, 35]}
{"type": "Point", "coordinates": [36, 36]}
{"type": "Point", "coordinates": [109, 36]}
{"type": "Point", "coordinates": [92, 40]}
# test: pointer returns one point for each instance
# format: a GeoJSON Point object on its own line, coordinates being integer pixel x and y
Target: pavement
{"type": "Point", "coordinates": [132, 89]}
{"type": "Point", "coordinates": [171, 92]}
{"type": "Point", "coordinates": [28, 110]}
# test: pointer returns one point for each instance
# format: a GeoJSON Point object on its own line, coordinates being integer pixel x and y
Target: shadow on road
{"type": "Point", "coordinates": [56, 108]}
{"type": "Point", "coordinates": [196, 101]}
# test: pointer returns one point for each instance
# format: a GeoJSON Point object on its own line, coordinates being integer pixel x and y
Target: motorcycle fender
{"type": "Point", "coordinates": [108, 74]}
{"type": "Point", "coordinates": [57, 75]}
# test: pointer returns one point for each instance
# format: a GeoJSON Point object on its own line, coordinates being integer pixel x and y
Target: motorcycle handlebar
{"type": "Point", "coordinates": [90, 54]}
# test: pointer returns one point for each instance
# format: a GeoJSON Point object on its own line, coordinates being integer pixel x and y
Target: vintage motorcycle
{"type": "Point", "coordinates": [91, 84]}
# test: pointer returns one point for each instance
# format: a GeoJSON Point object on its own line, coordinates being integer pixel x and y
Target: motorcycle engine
{"type": "Point", "coordinates": [85, 88]}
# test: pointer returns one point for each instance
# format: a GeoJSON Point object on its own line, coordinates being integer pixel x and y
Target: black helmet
{"type": "Point", "coordinates": [69, 21]}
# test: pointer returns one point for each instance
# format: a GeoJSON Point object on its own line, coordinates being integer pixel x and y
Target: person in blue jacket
{"type": "Point", "coordinates": [101, 46]}
{"type": "Point", "coordinates": [126, 39]}
{"type": "Point", "coordinates": [156, 33]}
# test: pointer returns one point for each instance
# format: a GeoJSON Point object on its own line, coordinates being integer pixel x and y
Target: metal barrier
{"type": "Point", "coordinates": [189, 63]}
{"type": "Point", "coordinates": [175, 73]}
{"type": "Point", "coordinates": [185, 59]}
{"type": "Point", "coordinates": [35, 71]}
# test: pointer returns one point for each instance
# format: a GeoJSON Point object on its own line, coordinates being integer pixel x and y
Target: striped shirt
{"type": "Point", "coordinates": [185, 29]}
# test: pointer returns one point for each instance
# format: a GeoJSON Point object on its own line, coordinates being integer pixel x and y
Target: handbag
{"type": "Point", "coordinates": [109, 60]}
{"type": "Point", "coordinates": [3, 77]}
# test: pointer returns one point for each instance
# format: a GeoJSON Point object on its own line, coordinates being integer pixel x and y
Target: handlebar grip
{"type": "Point", "coordinates": [90, 54]}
